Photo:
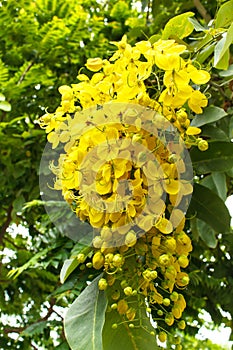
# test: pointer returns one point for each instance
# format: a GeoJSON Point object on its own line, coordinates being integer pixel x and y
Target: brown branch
{"type": "Point", "coordinates": [34, 347]}
{"type": "Point", "coordinates": [14, 245]}
{"type": "Point", "coordinates": [202, 10]}
{"type": "Point", "coordinates": [6, 223]}
{"type": "Point", "coordinates": [148, 10]}
{"type": "Point", "coordinates": [45, 318]}
{"type": "Point", "coordinates": [50, 311]}
{"type": "Point", "coordinates": [14, 330]}
{"type": "Point", "coordinates": [25, 72]}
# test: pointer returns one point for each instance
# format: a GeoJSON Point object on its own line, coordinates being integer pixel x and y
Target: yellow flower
{"type": "Point", "coordinates": [198, 76]}
{"type": "Point", "coordinates": [197, 101]}
{"type": "Point", "coordinates": [94, 64]}
{"type": "Point", "coordinates": [123, 48]}
{"type": "Point", "coordinates": [178, 78]}
{"type": "Point", "coordinates": [164, 226]}
{"type": "Point", "coordinates": [167, 61]}
{"type": "Point", "coordinates": [193, 130]}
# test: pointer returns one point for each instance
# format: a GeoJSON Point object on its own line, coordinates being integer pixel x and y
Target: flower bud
{"type": "Point", "coordinates": [166, 302]}
{"type": "Point", "coordinates": [128, 291]}
{"type": "Point", "coordinates": [116, 295]}
{"type": "Point", "coordinates": [153, 274]}
{"type": "Point", "coordinates": [169, 319]}
{"type": "Point", "coordinates": [98, 260]}
{"type": "Point", "coordinates": [181, 324]}
{"type": "Point", "coordinates": [174, 296]}
{"type": "Point", "coordinates": [118, 260]}
{"type": "Point", "coordinates": [130, 314]}
{"type": "Point", "coordinates": [122, 307]}
{"type": "Point", "coordinates": [81, 258]}
{"type": "Point", "coordinates": [114, 306]}
{"type": "Point", "coordinates": [183, 261]}
{"type": "Point", "coordinates": [202, 145]}
{"type": "Point", "coordinates": [162, 336]}
{"type": "Point", "coordinates": [102, 284]}
{"type": "Point", "coordinates": [164, 259]}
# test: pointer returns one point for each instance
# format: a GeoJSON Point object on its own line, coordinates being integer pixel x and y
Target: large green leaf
{"type": "Point", "coordinates": [178, 26]}
{"type": "Point", "coordinates": [211, 114]}
{"type": "Point", "coordinates": [128, 338]}
{"type": "Point", "coordinates": [219, 157]}
{"type": "Point", "coordinates": [207, 233]}
{"type": "Point", "coordinates": [207, 206]}
{"type": "Point", "coordinates": [217, 183]}
{"type": "Point", "coordinates": [84, 320]}
{"type": "Point", "coordinates": [223, 46]}
{"type": "Point", "coordinates": [214, 133]}
{"type": "Point", "coordinates": [223, 63]}
{"type": "Point", "coordinates": [225, 15]}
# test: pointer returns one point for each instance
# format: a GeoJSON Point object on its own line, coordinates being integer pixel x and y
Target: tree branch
{"type": "Point", "coordinates": [202, 10]}
{"type": "Point", "coordinates": [21, 329]}
{"type": "Point", "coordinates": [6, 223]}
{"type": "Point", "coordinates": [14, 245]}
{"type": "Point", "coordinates": [25, 72]}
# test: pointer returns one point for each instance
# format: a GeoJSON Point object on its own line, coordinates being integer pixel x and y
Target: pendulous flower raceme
{"type": "Point", "coordinates": [124, 170]}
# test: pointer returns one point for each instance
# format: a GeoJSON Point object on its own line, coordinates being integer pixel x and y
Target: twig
{"type": "Point", "coordinates": [6, 224]}
{"type": "Point", "coordinates": [25, 72]}
{"type": "Point", "coordinates": [14, 330]}
{"type": "Point", "coordinates": [202, 10]}
{"type": "Point", "coordinates": [45, 318]}
{"type": "Point", "coordinates": [148, 10]}
{"type": "Point", "coordinates": [34, 347]}
{"type": "Point", "coordinates": [14, 245]}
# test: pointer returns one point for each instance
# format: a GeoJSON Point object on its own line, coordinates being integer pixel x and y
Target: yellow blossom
{"type": "Point", "coordinates": [196, 101]}
{"type": "Point", "coordinates": [94, 64]}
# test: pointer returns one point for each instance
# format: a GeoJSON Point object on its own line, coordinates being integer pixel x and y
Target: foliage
{"type": "Point", "coordinates": [43, 45]}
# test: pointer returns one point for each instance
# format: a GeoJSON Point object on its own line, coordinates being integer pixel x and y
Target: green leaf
{"type": "Point", "coordinates": [217, 183]}
{"type": "Point", "coordinates": [154, 38]}
{"type": "Point", "coordinates": [207, 206]}
{"type": "Point", "coordinates": [227, 73]}
{"type": "Point", "coordinates": [231, 128]}
{"type": "Point", "coordinates": [219, 157]}
{"type": "Point", "coordinates": [19, 203]}
{"type": "Point", "coordinates": [35, 329]}
{"type": "Point", "coordinates": [224, 61]}
{"type": "Point", "coordinates": [225, 15]}
{"type": "Point", "coordinates": [178, 26]}
{"type": "Point", "coordinates": [68, 267]}
{"type": "Point", "coordinates": [207, 234]}
{"type": "Point", "coordinates": [197, 26]}
{"type": "Point", "coordinates": [5, 106]}
{"type": "Point", "coordinates": [84, 320]}
{"type": "Point", "coordinates": [211, 114]}
{"type": "Point", "coordinates": [214, 133]}
{"type": "Point", "coordinates": [14, 273]}
{"type": "Point", "coordinates": [70, 264]}
{"type": "Point", "coordinates": [2, 97]}
{"type": "Point", "coordinates": [222, 46]}
{"type": "Point", "coordinates": [205, 53]}
{"type": "Point", "coordinates": [127, 338]}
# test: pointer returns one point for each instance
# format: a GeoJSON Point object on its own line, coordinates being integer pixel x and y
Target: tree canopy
{"type": "Point", "coordinates": [46, 45]}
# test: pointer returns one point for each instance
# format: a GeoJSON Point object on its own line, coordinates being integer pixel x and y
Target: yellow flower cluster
{"type": "Point", "coordinates": [152, 75]}
{"type": "Point", "coordinates": [124, 178]}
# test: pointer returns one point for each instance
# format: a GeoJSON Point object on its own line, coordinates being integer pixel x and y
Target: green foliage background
{"type": "Point", "coordinates": [43, 44]}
